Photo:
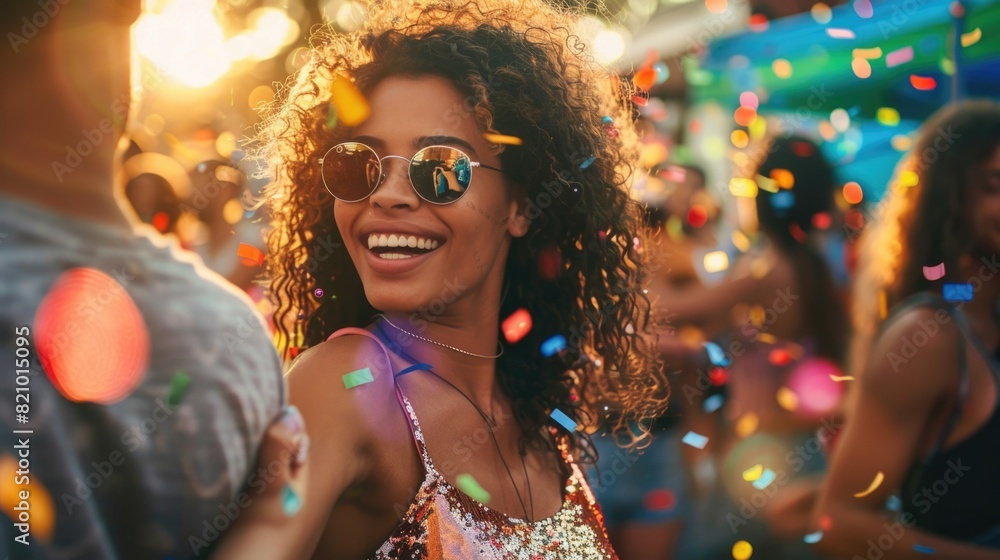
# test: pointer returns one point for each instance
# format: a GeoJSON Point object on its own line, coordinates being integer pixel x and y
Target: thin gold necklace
{"type": "Point", "coordinates": [466, 352]}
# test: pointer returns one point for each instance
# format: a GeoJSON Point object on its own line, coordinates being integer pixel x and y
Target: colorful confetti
{"type": "Point", "coordinates": [821, 13]}
{"type": "Point", "coordinates": [553, 345]}
{"type": "Point", "coordinates": [250, 254]}
{"type": "Point", "coordinates": [840, 378]}
{"type": "Point", "coordinates": [782, 68]}
{"type": "Point", "coordinates": [862, 68]}
{"type": "Point", "coordinates": [957, 292]}
{"type": "Point", "coordinates": [318, 292]}
{"type": "Point", "coordinates": [839, 33]}
{"type": "Point", "coordinates": [864, 10]}
{"type": "Point", "coordinates": [935, 272]}
{"type": "Point", "coordinates": [290, 501]}
{"type": "Point", "coordinates": [742, 550]}
{"type": "Point", "coordinates": [765, 479]}
{"type": "Point", "coordinates": [715, 355]}
{"type": "Point", "coordinates": [852, 192]}
{"type": "Point", "coordinates": [586, 163]}
{"type": "Point", "coordinates": [178, 387]}
{"type": "Point", "coordinates": [747, 424]}
{"type": "Point", "coordinates": [659, 500]}
{"type": "Point", "coordinates": [899, 56]}
{"type": "Point", "coordinates": [813, 538]}
{"type": "Point", "coordinates": [741, 186]}
{"type": "Point", "coordinates": [716, 261]}
{"type": "Point", "coordinates": [923, 549]}
{"type": "Point", "coordinates": [787, 399]}
{"type": "Point", "coordinates": [893, 503]}
{"type": "Point", "coordinates": [697, 216]}
{"type": "Point", "coordinates": [695, 440]}
{"type": "Point", "coordinates": [783, 177]}
{"type": "Point", "coordinates": [517, 325]}
{"type": "Point", "coordinates": [887, 116]}
{"type": "Point", "coordinates": [871, 488]}
{"type": "Point", "coordinates": [359, 377]}
{"type": "Point", "coordinates": [563, 419]}
{"type": "Point", "coordinates": [467, 483]}
{"type": "Point", "coordinates": [972, 37]}
{"type": "Point", "coordinates": [922, 83]}
{"type": "Point", "coordinates": [351, 106]}
{"type": "Point", "coordinates": [872, 53]}
{"type": "Point", "coordinates": [502, 139]}
{"type": "Point", "coordinates": [713, 403]}
{"type": "Point", "coordinates": [753, 473]}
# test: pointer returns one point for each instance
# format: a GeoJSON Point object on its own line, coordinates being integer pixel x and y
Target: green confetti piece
{"type": "Point", "coordinates": [360, 377]}
{"type": "Point", "coordinates": [469, 485]}
{"type": "Point", "coordinates": [331, 120]}
{"type": "Point", "coordinates": [178, 387]}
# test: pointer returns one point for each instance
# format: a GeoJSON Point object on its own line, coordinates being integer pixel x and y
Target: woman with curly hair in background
{"type": "Point", "coordinates": [404, 243]}
{"type": "Point", "coordinates": [924, 422]}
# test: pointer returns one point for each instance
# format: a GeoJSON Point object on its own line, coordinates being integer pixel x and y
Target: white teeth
{"type": "Point", "coordinates": [394, 240]}
{"type": "Point", "coordinates": [395, 256]}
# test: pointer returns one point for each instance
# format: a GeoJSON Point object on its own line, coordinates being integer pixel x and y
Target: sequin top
{"type": "Point", "coordinates": [444, 523]}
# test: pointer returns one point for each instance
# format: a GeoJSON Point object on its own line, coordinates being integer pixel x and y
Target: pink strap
{"type": "Point", "coordinates": [403, 402]}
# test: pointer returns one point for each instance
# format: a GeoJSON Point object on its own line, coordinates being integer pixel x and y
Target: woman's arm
{"type": "Point", "coordinates": [885, 428]}
{"type": "Point", "coordinates": [337, 435]}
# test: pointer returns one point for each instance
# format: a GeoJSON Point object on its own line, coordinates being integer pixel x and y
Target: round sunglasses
{"type": "Point", "coordinates": [351, 172]}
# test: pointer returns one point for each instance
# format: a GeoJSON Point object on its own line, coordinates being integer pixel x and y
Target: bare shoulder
{"type": "Point", "coordinates": [336, 385]}
{"type": "Point", "coordinates": [915, 359]}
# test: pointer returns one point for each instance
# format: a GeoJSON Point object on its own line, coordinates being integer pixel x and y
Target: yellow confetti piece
{"type": "Point", "coordinates": [782, 68]}
{"type": "Point", "coordinates": [716, 261]}
{"type": "Point", "coordinates": [739, 139]}
{"type": "Point", "coordinates": [747, 424]}
{"type": "Point", "coordinates": [757, 315]}
{"type": "Point", "coordinates": [760, 267]}
{"type": "Point", "coordinates": [742, 550]}
{"type": "Point", "coordinates": [767, 338]}
{"type": "Point", "coordinates": [766, 183]}
{"type": "Point", "coordinates": [840, 378]}
{"type": "Point", "coordinates": [503, 139]}
{"type": "Point", "coordinates": [740, 240]}
{"type": "Point", "coordinates": [787, 399]}
{"type": "Point", "coordinates": [753, 473]}
{"type": "Point", "coordinates": [741, 186]}
{"type": "Point", "coordinates": [972, 37]}
{"type": "Point", "coordinates": [875, 484]}
{"type": "Point", "coordinates": [872, 53]}
{"type": "Point", "coordinates": [29, 503]}
{"type": "Point", "coordinates": [908, 179]}
{"type": "Point", "coordinates": [947, 66]}
{"type": "Point", "coordinates": [887, 116]}
{"type": "Point", "coordinates": [351, 106]}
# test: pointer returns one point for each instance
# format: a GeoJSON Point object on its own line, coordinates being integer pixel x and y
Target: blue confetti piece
{"type": "Point", "coordinates": [894, 504]}
{"type": "Point", "coordinates": [957, 292]}
{"type": "Point", "coordinates": [765, 479]}
{"type": "Point", "coordinates": [290, 501]}
{"type": "Point", "coordinates": [716, 355]}
{"type": "Point", "coordinates": [566, 421]}
{"type": "Point", "coordinates": [923, 549]}
{"type": "Point", "coordinates": [553, 345]}
{"type": "Point", "coordinates": [713, 403]}
{"type": "Point", "coordinates": [783, 200]}
{"type": "Point", "coordinates": [813, 538]}
{"type": "Point", "coordinates": [586, 163]}
{"type": "Point", "coordinates": [695, 440]}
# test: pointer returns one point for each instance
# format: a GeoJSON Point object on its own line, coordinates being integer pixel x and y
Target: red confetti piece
{"type": "Point", "coordinates": [517, 325]}
{"type": "Point", "coordinates": [779, 357]}
{"type": "Point", "coordinates": [923, 83]}
{"type": "Point", "coordinates": [797, 233]}
{"type": "Point", "coordinates": [759, 23]}
{"type": "Point", "coordinates": [802, 149]}
{"type": "Point", "coordinates": [659, 500]}
{"type": "Point", "coordinates": [718, 376]}
{"type": "Point", "coordinates": [550, 262]}
{"type": "Point", "coordinates": [822, 220]}
{"type": "Point", "coordinates": [697, 216]}
{"type": "Point", "coordinates": [161, 221]}
{"type": "Point", "coordinates": [250, 254]}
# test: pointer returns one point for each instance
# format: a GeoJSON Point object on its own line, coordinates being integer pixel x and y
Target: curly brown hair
{"type": "Point", "coordinates": [923, 219]}
{"type": "Point", "coordinates": [523, 73]}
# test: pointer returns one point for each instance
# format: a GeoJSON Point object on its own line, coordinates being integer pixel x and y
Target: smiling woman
{"type": "Point", "coordinates": [386, 189]}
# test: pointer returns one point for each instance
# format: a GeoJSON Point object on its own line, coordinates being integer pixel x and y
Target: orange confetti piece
{"type": "Point", "coordinates": [250, 254]}
{"type": "Point", "coordinates": [972, 37]}
{"type": "Point", "coordinates": [351, 106]}
{"type": "Point", "coordinates": [503, 139]}
{"type": "Point", "coordinates": [922, 83]}
{"type": "Point", "coordinates": [862, 68]}
{"type": "Point", "coordinates": [841, 378]}
{"type": "Point", "coordinates": [871, 53]}
{"type": "Point", "coordinates": [517, 325]}
{"type": "Point", "coordinates": [645, 78]}
{"type": "Point", "coordinates": [871, 488]}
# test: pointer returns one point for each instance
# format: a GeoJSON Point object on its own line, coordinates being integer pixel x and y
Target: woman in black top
{"type": "Point", "coordinates": [925, 424]}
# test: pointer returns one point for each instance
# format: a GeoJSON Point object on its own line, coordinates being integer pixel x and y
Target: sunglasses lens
{"type": "Point", "coordinates": [440, 174]}
{"type": "Point", "coordinates": [351, 171]}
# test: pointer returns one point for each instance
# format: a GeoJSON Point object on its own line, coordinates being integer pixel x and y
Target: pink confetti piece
{"type": "Point", "coordinates": [899, 56]}
{"type": "Point", "coordinates": [840, 33]}
{"type": "Point", "coordinates": [863, 8]}
{"type": "Point", "coordinates": [935, 272]}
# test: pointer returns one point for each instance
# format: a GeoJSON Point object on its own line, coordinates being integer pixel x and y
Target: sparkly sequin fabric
{"type": "Point", "coordinates": [443, 522]}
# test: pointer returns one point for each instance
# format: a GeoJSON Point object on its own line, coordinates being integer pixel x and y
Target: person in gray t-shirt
{"type": "Point", "coordinates": [159, 380]}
